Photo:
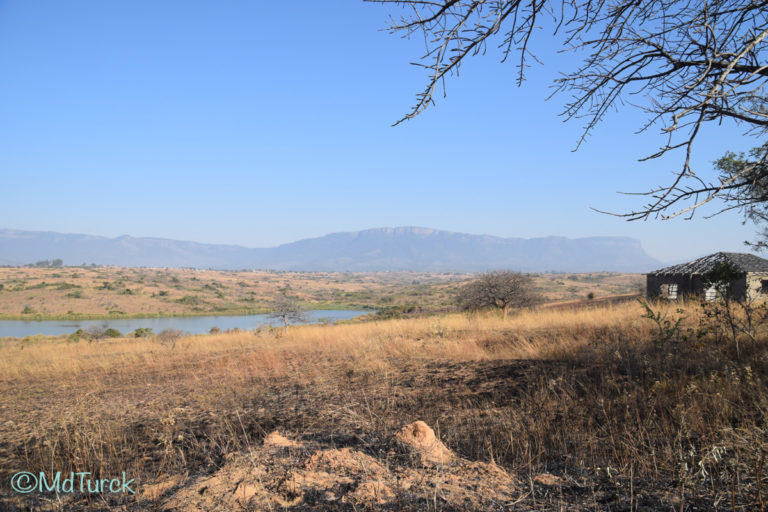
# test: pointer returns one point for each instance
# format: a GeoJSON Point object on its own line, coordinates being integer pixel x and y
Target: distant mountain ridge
{"type": "Point", "coordinates": [380, 249]}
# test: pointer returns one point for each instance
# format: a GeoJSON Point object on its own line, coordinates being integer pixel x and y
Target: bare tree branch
{"type": "Point", "coordinates": [688, 63]}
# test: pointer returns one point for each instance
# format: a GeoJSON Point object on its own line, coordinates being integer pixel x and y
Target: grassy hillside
{"type": "Point", "coordinates": [104, 292]}
{"type": "Point", "coordinates": [552, 409]}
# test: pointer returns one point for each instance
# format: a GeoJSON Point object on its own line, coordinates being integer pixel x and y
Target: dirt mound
{"type": "Point", "coordinates": [275, 439]}
{"type": "Point", "coordinates": [418, 437]}
{"type": "Point", "coordinates": [345, 461]}
{"type": "Point", "coordinates": [330, 477]}
{"type": "Point", "coordinates": [548, 479]}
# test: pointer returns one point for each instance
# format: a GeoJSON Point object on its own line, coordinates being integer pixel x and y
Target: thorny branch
{"type": "Point", "coordinates": [685, 62]}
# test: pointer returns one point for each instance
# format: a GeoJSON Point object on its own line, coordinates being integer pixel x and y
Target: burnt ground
{"type": "Point", "coordinates": [522, 435]}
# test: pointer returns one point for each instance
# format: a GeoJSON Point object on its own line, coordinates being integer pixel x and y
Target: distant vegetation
{"type": "Point", "coordinates": [103, 292]}
{"type": "Point", "coordinates": [57, 263]}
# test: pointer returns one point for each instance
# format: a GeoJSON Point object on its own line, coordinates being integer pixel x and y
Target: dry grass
{"type": "Point", "coordinates": [582, 393]}
{"type": "Point", "coordinates": [540, 334]}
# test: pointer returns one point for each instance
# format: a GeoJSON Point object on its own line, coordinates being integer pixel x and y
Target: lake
{"type": "Point", "coordinates": [188, 324]}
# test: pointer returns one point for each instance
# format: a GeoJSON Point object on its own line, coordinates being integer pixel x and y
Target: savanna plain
{"type": "Point", "coordinates": [576, 404]}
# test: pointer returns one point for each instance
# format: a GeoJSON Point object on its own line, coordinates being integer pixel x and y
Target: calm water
{"type": "Point", "coordinates": [192, 325]}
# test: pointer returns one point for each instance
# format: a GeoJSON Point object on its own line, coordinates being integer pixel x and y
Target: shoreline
{"type": "Point", "coordinates": [41, 317]}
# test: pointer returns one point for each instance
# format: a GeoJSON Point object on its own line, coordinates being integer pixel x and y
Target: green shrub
{"type": "Point", "coordinates": [67, 286]}
{"type": "Point", "coordinates": [189, 300]}
{"type": "Point", "coordinates": [143, 332]}
{"type": "Point", "coordinates": [97, 333]}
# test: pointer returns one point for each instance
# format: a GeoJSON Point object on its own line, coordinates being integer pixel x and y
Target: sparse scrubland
{"type": "Point", "coordinates": [73, 293]}
{"type": "Point", "coordinates": [588, 408]}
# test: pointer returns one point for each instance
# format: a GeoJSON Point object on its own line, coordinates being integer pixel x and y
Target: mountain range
{"type": "Point", "coordinates": [381, 249]}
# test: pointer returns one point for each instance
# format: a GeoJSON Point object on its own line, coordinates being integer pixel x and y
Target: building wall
{"type": "Point", "coordinates": [754, 284]}
{"type": "Point", "coordinates": [693, 285]}
{"type": "Point", "coordinates": [655, 282]}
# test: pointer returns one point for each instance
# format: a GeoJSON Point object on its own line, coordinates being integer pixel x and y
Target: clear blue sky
{"type": "Point", "coordinates": [259, 123]}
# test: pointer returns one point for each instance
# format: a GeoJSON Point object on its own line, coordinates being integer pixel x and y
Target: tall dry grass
{"type": "Point", "coordinates": [539, 334]}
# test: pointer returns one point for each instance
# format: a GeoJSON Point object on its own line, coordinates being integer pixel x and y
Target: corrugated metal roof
{"type": "Point", "coordinates": [741, 261]}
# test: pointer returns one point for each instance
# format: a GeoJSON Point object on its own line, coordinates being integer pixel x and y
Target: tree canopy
{"type": "Point", "coordinates": [499, 289]}
{"type": "Point", "coordinates": [684, 63]}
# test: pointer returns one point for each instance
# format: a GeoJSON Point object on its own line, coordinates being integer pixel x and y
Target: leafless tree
{"type": "Point", "coordinates": [287, 309]}
{"type": "Point", "coordinates": [169, 337]}
{"type": "Point", "coordinates": [500, 289]}
{"type": "Point", "coordinates": [685, 63]}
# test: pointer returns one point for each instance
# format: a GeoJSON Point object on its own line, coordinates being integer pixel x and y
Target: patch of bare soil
{"type": "Point", "coordinates": [275, 439]}
{"type": "Point", "coordinates": [413, 470]}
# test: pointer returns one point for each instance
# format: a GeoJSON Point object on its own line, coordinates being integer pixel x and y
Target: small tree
{"type": "Point", "coordinates": [740, 316]}
{"type": "Point", "coordinates": [169, 337]}
{"type": "Point", "coordinates": [288, 309]}
{"type": "Point", "coordinates": [500, 289]}
{"type": "Point", "coordinates": [97, 333]}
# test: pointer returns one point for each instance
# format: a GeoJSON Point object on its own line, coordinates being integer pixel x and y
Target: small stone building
{"type": "Point", "coordinates": [686, 278]}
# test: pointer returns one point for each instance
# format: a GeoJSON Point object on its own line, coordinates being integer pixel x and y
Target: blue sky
{"type": "Point", "coordinates": [260, 123]}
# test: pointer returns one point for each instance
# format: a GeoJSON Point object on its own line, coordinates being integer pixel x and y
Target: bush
{"type": "Point", "coordinates": [27, 311]}
{"type": "Point", "coordinates": [95, 334]}
{"type": "Point", "coordinates": [143, 332]}
{"type": "Point", "coordinates": [189, 300]}
{"type": "Point", "coordinates": [169, 337]}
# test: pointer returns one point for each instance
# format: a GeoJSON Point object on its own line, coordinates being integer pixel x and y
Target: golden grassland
{"type": "Point", "coordinates": [107, 292]}
{"type": "Point", "coordinates": [587, 394]}
{"type": "Point", "coordinates": [540, 334]}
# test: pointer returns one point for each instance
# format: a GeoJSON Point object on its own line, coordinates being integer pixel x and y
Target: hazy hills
{"type": "Point", "coordinates": [406, 248]}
